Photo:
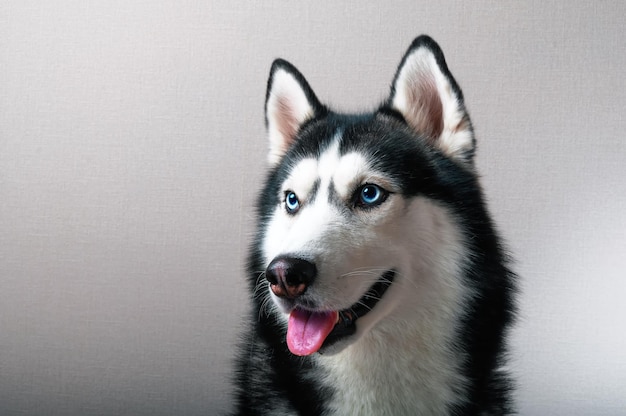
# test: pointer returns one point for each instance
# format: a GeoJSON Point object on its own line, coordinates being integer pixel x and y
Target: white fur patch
{"type": "Point", "coordinates": [302, 178]}
{"type": "Point", "coordinates": [328, 162]}
{"type": "Point", "coordinates": [351, 172]}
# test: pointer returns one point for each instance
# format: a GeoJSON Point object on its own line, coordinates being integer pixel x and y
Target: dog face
{"type": "Point", "coordinates": [356, 215]}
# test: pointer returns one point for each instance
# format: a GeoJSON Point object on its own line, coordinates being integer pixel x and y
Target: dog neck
{"type": "Point", "coordinates": [396, 368]}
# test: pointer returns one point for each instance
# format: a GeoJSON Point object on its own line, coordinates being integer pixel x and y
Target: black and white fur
{"type": "Point", "coordinates": [434, 343]}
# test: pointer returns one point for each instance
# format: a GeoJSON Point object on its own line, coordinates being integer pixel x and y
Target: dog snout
{"type": "Point", "coordinates": [289, 277]}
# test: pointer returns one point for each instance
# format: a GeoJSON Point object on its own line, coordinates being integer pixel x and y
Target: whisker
{"type": "Point", "coordinates": [363, 271]}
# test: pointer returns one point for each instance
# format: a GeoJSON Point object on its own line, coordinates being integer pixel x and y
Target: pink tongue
{"type": "Point", "coordinates": [306, 331]}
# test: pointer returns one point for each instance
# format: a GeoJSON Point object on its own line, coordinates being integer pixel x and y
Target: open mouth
{"type": "Point", "coordinates": [309, 332]}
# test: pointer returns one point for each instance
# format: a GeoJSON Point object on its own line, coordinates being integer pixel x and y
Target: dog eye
{"type": "Point", "coordinates": [370, 195]}
{"type": "Point", "coordinates": [292, 203]}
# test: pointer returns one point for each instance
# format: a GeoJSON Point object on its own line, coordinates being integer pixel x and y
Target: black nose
{"type": "Point", "coordinates": [289, 277]}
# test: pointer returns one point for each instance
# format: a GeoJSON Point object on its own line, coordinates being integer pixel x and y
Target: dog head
{"type": "Point", "coordinates": [355, 216]}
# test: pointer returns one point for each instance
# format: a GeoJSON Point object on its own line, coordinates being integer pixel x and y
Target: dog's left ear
{"type": "Point", "coordinates": [427, 96]}
{"type": "Point", "coordinates": [289, 104]}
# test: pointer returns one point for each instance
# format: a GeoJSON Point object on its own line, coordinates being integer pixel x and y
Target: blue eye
{"type": "Point", "coordinates": [292, 203]}
{"type": "Point", "coordinates": [371, 195]}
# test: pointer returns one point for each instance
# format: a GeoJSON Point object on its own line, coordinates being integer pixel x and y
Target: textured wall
{"type": "Point", "coordinates": [132, 140]}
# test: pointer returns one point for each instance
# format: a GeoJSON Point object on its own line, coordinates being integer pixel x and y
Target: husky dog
{"type": "Point", "coordinates": [379, 284]}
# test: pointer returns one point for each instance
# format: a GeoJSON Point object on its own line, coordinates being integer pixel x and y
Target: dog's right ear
{"type": "Point", "coordinates": [289, 103]}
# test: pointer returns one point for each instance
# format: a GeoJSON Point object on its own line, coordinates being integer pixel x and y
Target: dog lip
{"type": "Point", "coordinates": [346, 324]}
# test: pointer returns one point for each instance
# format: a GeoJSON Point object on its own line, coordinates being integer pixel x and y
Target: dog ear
{"type": "Point", "coordinates": [289, 103]}
{"type": "Point", "coordinates": [427, 96]}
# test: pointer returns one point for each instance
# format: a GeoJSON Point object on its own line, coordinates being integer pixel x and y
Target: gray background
{"type": "Point", "coordinates": [132, 144]}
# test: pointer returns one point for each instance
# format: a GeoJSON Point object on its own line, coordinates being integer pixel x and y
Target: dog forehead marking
{"type": "Point", "coordinates": [321, 170]}
{"type": "Point", "coordinates": [332, 169]}
{"type": "Point", "coordinates": [329, 160]}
